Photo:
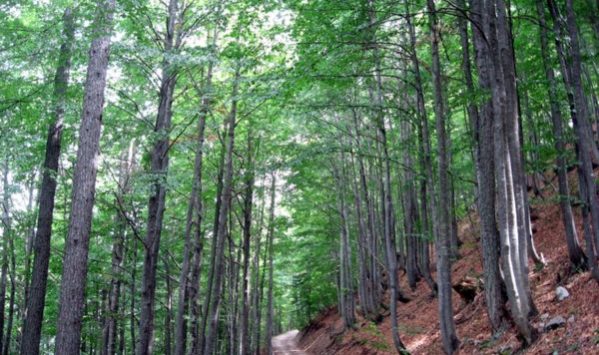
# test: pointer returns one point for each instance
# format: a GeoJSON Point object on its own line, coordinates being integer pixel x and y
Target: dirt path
{"type": "Point", "coordinates": [286, 344]}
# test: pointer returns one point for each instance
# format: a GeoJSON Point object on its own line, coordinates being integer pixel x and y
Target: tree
{"type": "Point", "coordinates": [34, 311]}
{"type": "Point", "coordinates": [72, 288]}
{"type": "Point", "coordinates": [450, 340]}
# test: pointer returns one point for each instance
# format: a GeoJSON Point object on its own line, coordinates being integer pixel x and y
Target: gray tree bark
{"type": "Point", "coordinates": [448, 334]}
{"type": "Point", "coordinates": [72, 287]}
{"type": "Point", "coordinates": [494, 297]}
{"type": "Point", "coordinates": [577, 257]}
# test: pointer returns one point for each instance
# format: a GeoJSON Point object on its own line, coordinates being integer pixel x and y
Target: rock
{"type": "Point", "coordinates": [561, 293]}
{"type": "Point", "coordinates": [571, 319]}
{"type": "Point", "coordinates": [467, 288]}
{"type": "Point", "coordinates": [544, 316]}
{"type": "Point", "coordinates": [555, 323]}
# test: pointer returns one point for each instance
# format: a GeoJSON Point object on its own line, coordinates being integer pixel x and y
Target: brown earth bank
{"type": "Point", "coordinates": [419, 322]}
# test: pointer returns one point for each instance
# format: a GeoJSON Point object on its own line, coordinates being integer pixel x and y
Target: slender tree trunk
{"type": "Point", "coordinates": [386, 195]}
{"type": "Point", "coordinates": [577, 257]}
{"type": "Point", "coordinates": [12, 276]}
{"type": "Point", "coordinates": [29, 243]}
{"type": "Point", "coordinates": [256, 291]}
{"type": "Point", "coordinates": [410, 209]}
{"type": "Point", "coordinates": [365, 292]}
{"type": "Point", "coordinates": [373, 285]}
{"type": "Point", "coordinates": [346, 294]}
{"type": "Point", "coordinates": [110, 327]}
{"type": "Point", "coordinates": [210, 282]}
{"type": "Point", "coordinates": [223, 214]}
{"type": "Point", "coordinates": [34, 309]}
{"type": "Point", "coordinates": [247, 234]}
{"type": "Point", "coordinates": [6, 237]}
{"type": "Point", "coordinates": [156, 204]}
{"type": "Point", "coordinates": [582, 127]}
{"type": "Point", "coordinates": [270, 249]}
{"type": "Point", "coordinates": [72, 288]}
{"type": "Point", "coordinates": [133, 291]}
{"type": "Point", "coordinates": [168, 319]}
{"type": "Point", "coordinates": [428, 189]}
{"type": "Point", "coordinates": [450, 340]}
{"type": "Point", "coordinates": [189, 288]}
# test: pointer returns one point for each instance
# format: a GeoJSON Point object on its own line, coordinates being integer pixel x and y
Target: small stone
{"type": "Point", "coordinates": [561, 293]}
{"type": "Point", "coordinates": [544, 316]}
{"type": "Point", "coordinates": [571, 319]}
{"type": "Point", "coordinates": [555, 323]}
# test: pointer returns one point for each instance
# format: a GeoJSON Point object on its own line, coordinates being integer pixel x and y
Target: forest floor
{"type": "Point", "coordinates": [419, 322]}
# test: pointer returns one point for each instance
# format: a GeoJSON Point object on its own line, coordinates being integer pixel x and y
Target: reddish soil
{"type": "Point", "coordinates": [418, 319]}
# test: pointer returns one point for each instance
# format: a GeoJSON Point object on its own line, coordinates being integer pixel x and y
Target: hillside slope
{"type": "Point", "coordinates": [418, 319]}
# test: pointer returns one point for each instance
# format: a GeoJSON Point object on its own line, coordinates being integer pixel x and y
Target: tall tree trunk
{"type": "Point", "coordinates": [583, 155]}
{"type": "Point", "coordinates": [507, 168]}
{"type": "Point", "coordinates": [346, 294]}
{"type": "Point", "coordinates": [428, 189]}
{"type": "Point", "coordinates": [386, 195]}
{"type": "Point", "coordinates": [189, 288]}
{"type": "Point", "coordinates": [72, 287]}
{"type": "Point", "coordinates": [373, 285]}
{"type": "Point", "coordinates": [494, 297]}
{"type": "Point", "coordinates": [450, 340]}
{"type": "Point", "coordinates": [210, 282]}
{"type": "Point", "coordinates": [12, 276]}
{"type": "Point", "coordinates": [29, 242]}
{"type": "Point", "coordinates": [110, 326]}
{"type": "Point", "coordinates": [577, 257]}
{"type": "Point", "coordinates": [270, 250]}
{"type": "Point", "coordinates": [256, 291]}
{"type": "Point", "coordinates": [223, 214]}
{"type": "Point", "coordinates": [156, 204]}
{"type": "Point", "coordinates": [168, 319]}
{"type": "Point", "coordinates": [410, 208]}
{"type": "Point", "coordinates": [365, 292]}
{"type": "Point", "coordinates": [247, 234]}
{"type": "Point", "coordinates": [6, 231]}
{"type": "Point", "coordinates": [34, 309]}
{"type": "Point", "coordinates": [582, 127]}
{"type": "Point", "coordinates": [133, 324]}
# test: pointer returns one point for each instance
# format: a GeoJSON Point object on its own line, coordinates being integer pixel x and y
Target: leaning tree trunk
{"type": "Point", "coordinates": [36, 291]}
{"type": "Point", "coordinates": [72, 287]}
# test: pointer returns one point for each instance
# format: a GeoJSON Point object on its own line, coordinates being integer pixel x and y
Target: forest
{"type": "Point", "coordinates": [360, 176]}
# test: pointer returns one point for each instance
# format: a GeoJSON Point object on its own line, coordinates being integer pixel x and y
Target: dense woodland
{"type": "Point", "coordinates": [197, 176]}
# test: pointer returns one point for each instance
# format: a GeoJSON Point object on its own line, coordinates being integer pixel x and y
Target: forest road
{"type": "Point", "coordinates": [286, 344]}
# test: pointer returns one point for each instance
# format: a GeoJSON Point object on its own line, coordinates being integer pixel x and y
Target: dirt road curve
{"type": "Point", "coordinates": [286, 344]}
